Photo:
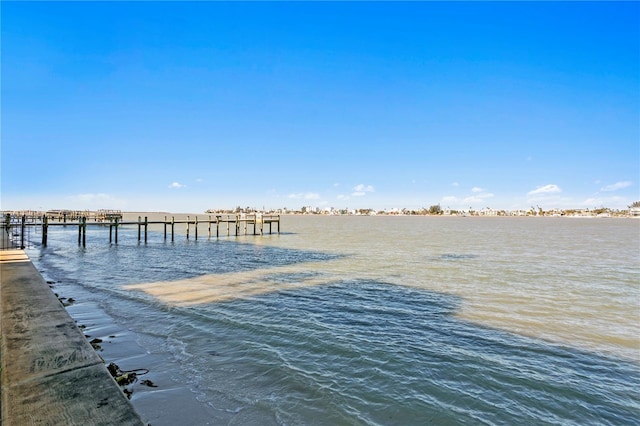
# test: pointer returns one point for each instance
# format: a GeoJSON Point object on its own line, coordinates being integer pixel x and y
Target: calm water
{"type": "Point", "coordinates": [377, 320]}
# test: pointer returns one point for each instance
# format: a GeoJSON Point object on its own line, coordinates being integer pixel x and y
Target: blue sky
{"type": "Point", "coordinates": [187, 106]}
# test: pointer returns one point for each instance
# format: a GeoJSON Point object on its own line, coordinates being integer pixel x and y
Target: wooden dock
{"type": "Point", "coordinates": [16, 227]}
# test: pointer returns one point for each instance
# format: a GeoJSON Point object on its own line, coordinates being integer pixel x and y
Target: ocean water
{"type": "Point", "coordinates": [372, 320]}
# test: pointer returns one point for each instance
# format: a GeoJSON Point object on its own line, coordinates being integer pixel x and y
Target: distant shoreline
{"type": "Point", "coordinates": [572, 213]}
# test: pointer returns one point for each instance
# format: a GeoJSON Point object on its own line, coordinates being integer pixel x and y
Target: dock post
{"type": "Point", "coordinates": [84, 231]}
{"type": "Point", "coordinates": [116, 230]}
{"type": "Point", "coordinates": [146, 224]}
{"type": "Point", "coordinates": [237, 224]}
{"type": "Point", "coordinates": [22, 229]}
{"type": "Point", "coordinates": [209, 228]}
{"type": "Point", "coordinates": [79, 231]}
{"type": "Point", "coordinates": [165, 228]}
{"type": "Point", "coordinates": [139, 221]}
{"type": "Point", "coordinates": [45, 229]}
{"type": "Point", "coordinates": [196, 228]}
{"type": "Point", "coordinates": [217, 226]}
{"type": "Point", "coordinates": [228, 222]}
{"type": "Point", "coordinates": [255, 223]}
{"type": "Point", "coordinates": [110, 230]}
{"type": "Point", "coordinates": [187, 227]}
{"type": "Point", "coordinates": [173, 222]}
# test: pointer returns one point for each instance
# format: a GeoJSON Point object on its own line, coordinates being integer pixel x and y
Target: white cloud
{"type": "Point", "coordinates": [455, 184]}
{"type": "Point", "coordinates": [176, 185]}
{"type": "Point", "coordinates": [549, 196]}
{"type": "Point", "coordinates": [479, 198]}
{"type": "Point", "coordinates": [363, 188]}
{"type": "Point", "coordinates": [476, 189]}
{"type": "Point", "coordinates": [616, 186]}
{"type": "Point", "coordinates": [546, 189]}
{"type": "Point", "coordinates": [305, 195]}
{"type": "Point", "coordinates": [343, 197]}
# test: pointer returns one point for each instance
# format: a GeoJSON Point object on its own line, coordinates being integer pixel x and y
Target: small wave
{"type": "Point", "coordinates": [455, 256]}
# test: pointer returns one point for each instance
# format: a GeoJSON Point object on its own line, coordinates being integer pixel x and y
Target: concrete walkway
{"type": "Point", "coordinates": [50, 373]}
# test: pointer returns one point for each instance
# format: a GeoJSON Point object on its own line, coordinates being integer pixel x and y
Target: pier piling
{"type": "Point", "coordinates": [22, 229]}
{"type": "Point", "coordinates": [82, 231]}
{"type": "Point", "coordinates": [45, 229]}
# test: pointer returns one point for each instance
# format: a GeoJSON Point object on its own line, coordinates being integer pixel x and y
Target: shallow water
{"type": "Point", "coordinates": [378, 320]}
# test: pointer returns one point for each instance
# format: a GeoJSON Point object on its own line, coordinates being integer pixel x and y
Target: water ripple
{"type": "Point", "coordinates": [293, 342]}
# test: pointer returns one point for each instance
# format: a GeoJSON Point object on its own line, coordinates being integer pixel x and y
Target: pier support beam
{"type": "Point", "coordinates": [23, 227]}
{"type": "Point", "coordinates": [45, 230]}
{"type": "Point", "coordinates": [82, 231]}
